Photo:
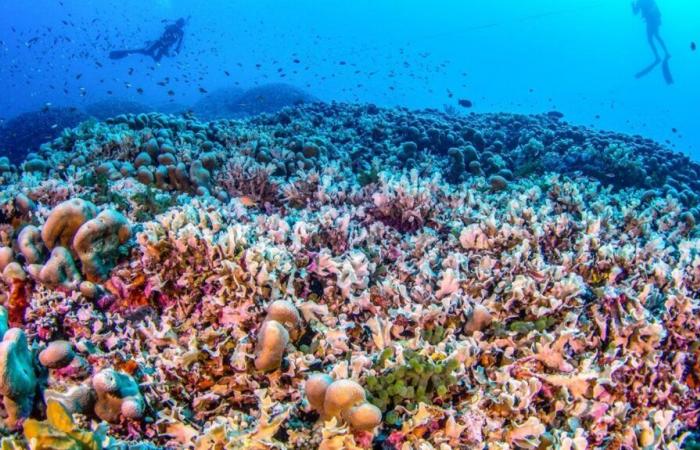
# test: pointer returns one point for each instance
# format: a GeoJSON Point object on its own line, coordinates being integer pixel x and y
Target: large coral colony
{"type": "Point", "coordinates": [349, 277]}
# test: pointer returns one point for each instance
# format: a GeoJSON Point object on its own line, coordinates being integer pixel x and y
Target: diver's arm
{"type": "Point", "coordinates": [179, 43]}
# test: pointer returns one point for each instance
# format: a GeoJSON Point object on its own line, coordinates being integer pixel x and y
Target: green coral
{"type": "Point", "coordinates": [367, 177]}
{"type": "Point", "coordinates": [420, 380]}
{"type": "Point", "coordinates": [59, 432]}
{"type": "Point", "coordinates": [151, 202]}
{"type": "Point", "coordinates": [101, 193]}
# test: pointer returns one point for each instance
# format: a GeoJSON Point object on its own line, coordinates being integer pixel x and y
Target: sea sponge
{"type": "Point", "coordinates": [117, 395]}
{"type": "Point", "coordinates": [57, 354]}
{"type": "Point", "coordinates": [64, 220]}
{"type": "Point", "coordinates": [60, 270]}
{"type": "Point", "coordinates": [17, 377]}
{"type": "Point", "coordinates": [30, 244]}
{"type": "Point", "coordinates": [272, 342]}
{"type": "Point", "coordinates": [98, 243]}
{"type": "Point", "coordinates": [344, 399]}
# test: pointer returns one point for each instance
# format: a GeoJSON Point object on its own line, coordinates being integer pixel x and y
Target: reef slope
{"type": "Point", "coordinates": [413, 279]}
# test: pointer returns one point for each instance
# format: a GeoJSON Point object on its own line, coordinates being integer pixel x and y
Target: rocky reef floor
{"type": "Point", "coordinates": [341, 276]}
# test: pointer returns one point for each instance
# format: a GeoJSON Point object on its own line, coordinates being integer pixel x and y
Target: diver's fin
{"type": "Point", "coordinates": [667, 71]}
{"type": "Point", "coordinates": [119, 54]}
{"type": "Point", "coordinates": [645, 71]}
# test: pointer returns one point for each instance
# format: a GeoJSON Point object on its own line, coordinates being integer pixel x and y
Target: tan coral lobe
{"type": "Point", "coordinates": [64, 220]}
{"type": "Point", "coordinates": [272, 343]}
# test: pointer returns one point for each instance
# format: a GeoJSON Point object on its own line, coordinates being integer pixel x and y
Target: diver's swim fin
{"type": "Point", "coordinates": [667, 71]}
{"type": "Point", "coordinates": [120, 54]}
{"type": "Point", "coordinates": [645, 71]}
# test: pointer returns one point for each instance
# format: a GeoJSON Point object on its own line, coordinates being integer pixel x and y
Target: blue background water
{"type": "Point", "coordinates": [575, 56]}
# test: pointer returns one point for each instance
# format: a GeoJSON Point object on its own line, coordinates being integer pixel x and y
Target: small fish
{"type": "Point", "coordinates": [139, 90]}
{"type": "Point", "coordinates": [693, 47]}
{"type": "Point", "coordinates": [77, 77]}
{"type": "Point", "coordinates": [171, 93]}
{"type": "Point", "coordinates": [247, 201]}
{"type": "Point", "coordinates": [465, 103]}
{"type": "Point", "coordinates": [131, 70]}
{"type": "Point", "coordinates": [202, 90]}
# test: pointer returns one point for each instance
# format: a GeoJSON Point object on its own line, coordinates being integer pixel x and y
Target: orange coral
{"type": "Point", "coordinates": [18, 301]}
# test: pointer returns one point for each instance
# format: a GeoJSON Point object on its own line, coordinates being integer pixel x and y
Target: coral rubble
{"type": "Point", "coordinates": [345, 277]}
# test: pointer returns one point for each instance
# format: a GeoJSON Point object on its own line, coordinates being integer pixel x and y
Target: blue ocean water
{"type": "Point", "coordinates": [579, 57]}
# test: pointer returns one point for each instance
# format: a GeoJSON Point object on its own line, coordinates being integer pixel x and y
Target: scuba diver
{"type": "Point", "coordinates": [651, 14]}
{"type": "Point", "coordinates": [172, 36]}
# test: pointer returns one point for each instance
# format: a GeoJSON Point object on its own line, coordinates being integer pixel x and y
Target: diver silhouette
{"type": "Point", "coordinates": [651, 14]}
{"type": "Point", "coordinates": [173, 35]}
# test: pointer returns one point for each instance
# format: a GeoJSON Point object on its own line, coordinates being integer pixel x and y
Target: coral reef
{"type": "Point", "coordinates": [432, 281]}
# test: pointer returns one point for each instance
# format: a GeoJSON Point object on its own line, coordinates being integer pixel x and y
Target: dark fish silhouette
{"type": "Point", "coordinates": [693, 47]}
{"type": "Point", "coordinates": [464, 103]}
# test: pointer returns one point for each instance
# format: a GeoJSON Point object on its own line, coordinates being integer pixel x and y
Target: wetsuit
{"type": "Point", "coordinates": [172, 35]}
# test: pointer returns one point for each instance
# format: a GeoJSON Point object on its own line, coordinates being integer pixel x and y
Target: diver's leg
{"type": "Point", "coordinates": [651, 33]}
{"type": "Point", "coordinates": [663, 44]}
{"type": "Point", "coordinates": [159, 54]}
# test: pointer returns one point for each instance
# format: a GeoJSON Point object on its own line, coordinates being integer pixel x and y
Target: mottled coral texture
{"type": "Point", "coordinates": [346, 276]}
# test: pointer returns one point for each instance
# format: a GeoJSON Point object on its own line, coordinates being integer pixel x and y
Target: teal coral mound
{"type": "Point", "coordinates": [348, 276]}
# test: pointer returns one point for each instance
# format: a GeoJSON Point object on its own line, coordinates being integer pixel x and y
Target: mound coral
{"type": "Point", "coordinates": [118, 396]}
{"type": "Point", "coordinates": [17, 377]}
{"type": "Point", "coordinates": [98, 243]}
{"type": "Point", "coordinates": [342, 399]}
